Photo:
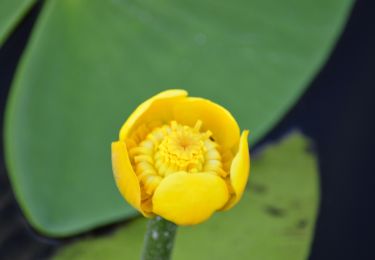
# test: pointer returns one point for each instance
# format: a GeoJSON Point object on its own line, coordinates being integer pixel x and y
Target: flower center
{"type": "Point", "coordinates": [182, 149]}
{"type": "Point", "coordinates": [172, 148]}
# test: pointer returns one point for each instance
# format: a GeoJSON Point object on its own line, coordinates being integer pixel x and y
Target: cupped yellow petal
{"type": "Point", "coordinates": [157, 108]}
{"type": "Point", "coordinates": [214, 117]}
{"type": "Point", "coordinates": [126, 180]}
{"type": "Point", "coordinates": [239, 170]}
{"type": "Point", "coordinates": [187, 199]}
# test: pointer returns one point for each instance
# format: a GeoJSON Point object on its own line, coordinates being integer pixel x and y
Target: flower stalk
{"type": "Point", "coordinates": [159, 239]}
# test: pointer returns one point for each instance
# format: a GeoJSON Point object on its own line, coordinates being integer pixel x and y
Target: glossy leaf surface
{"type": "Point", "coordinates": [90, 63]}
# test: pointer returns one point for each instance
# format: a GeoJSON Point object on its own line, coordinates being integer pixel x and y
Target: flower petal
{"type": "Point", "coordinates": [157, 108]}
{"type": "Point", "coordinates": [126, 180]}
{"type": "Point", "coordinates": [213, 116]}
{"type": "Point", "coordinates": [187, 199]}
{"type": "Point", "coordinates": [239, 170]}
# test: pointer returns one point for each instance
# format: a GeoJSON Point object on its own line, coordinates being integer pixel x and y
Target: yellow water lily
{"type": "Point", "coordinates": [181, 158]}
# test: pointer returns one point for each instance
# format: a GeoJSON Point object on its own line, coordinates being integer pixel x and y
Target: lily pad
{"type": "Point", "coordinates": [11, 11]}
{"type": "Point", "coordinates": [90, 63]}
{"type": "Point", "coordinates": [274, 220]}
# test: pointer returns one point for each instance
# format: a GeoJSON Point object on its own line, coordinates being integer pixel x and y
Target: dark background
{"type": "Point", "coordinates": [337, 112]}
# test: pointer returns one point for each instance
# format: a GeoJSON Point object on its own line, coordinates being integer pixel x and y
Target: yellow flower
{"type": "Point", "coordinates": [181, 158]}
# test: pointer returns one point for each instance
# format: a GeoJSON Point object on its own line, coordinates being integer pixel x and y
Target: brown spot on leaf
{"type": "Point", "coordinates": [275, 211]}
{"type": "Point", "coordinates": [302, 223]}
{"type": "Point", "coordinates": [259, 188]}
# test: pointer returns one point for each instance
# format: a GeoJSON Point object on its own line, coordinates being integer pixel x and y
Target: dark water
{"type": "Point", "coordinates": [337, 112]}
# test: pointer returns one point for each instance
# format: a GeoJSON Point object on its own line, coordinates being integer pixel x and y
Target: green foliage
{"type": "Point", "coordinates": [90, 63]}
{"type": "Point", "coordinates": [11, 11]}
{"type": "Point", "coordinates": [274, 220]}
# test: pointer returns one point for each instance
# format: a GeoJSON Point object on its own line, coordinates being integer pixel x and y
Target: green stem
{"type": "Point", "coordinates": [159, 239]}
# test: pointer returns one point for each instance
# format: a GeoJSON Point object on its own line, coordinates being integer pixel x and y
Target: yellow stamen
{"type": "Point", "coordinates": [172, 148]}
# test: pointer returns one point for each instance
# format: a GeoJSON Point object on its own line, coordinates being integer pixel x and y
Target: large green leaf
{"type": "Point", "coordinates": [11, 11]}
{"type": "Point", "coordinates": [275, 219]}
{"type": "Point", "coordinates": [90, 63]}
